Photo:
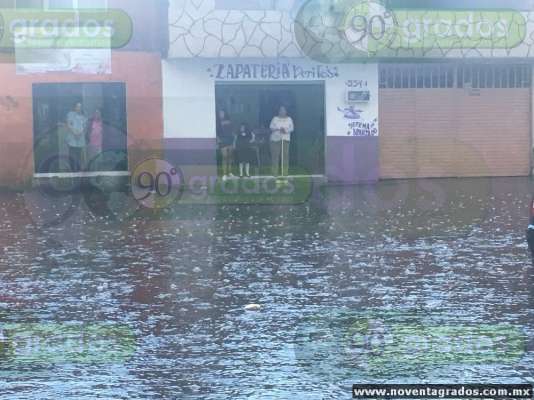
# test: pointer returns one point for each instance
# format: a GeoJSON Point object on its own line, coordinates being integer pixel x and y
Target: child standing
{"type": "Point", "coordinates": [244, 150]}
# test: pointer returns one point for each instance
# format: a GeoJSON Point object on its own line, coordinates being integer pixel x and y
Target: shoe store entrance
{"type": "Point", "coordinates": [253, 106]}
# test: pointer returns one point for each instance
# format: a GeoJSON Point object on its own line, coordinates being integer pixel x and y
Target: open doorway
{"type": "Point", "coordinates": [100, 139]}
{"type": "Point", "coordinates": [255, 104]}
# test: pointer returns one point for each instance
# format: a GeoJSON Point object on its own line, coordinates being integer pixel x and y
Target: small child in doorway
{"type": "Point", "coordinates": [244, 151]}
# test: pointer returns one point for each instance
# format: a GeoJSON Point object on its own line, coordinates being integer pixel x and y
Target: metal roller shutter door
{"type": "Point", "coordinates": [454, 132]}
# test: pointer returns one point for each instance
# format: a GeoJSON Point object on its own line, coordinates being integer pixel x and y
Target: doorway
{"type": "Point", "coordinates": [52, 103]}
{"type": "Point", "coordinates": [257, 103]}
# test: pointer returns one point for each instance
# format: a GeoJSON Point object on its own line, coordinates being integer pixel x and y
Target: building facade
{"type": "Point", "coordinates": [41, 83]}
{"type": "Point", "coordinates": [375, 92]}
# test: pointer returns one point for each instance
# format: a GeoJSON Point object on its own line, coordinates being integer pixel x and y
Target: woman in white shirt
{"type": "Point", "coordinates": [281, 129]}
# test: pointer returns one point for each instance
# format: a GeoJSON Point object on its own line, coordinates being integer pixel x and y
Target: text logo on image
{"type": "Point", "coordinates": [381, 344]}
{"type": "Point", "coordinates": [52, 343]}
{"type": "Point", "coordinates": [157, 184]}
{"type": "Point", "coordinates": [68, 29]}
{"type": "Point", "coordinates": [347, 31]}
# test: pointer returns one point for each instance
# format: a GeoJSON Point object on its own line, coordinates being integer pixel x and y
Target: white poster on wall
{"type": "Point", "coordinates": [81, 61]}
{"type": "Point", "coordinates": [352, 101]}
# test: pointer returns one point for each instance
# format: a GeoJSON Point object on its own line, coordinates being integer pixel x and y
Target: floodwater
{"type": "Point", "coordinates": [352, 285]}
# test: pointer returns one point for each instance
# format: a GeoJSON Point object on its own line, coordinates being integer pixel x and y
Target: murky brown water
{"type": "Point", "coordinates": [344, 281]}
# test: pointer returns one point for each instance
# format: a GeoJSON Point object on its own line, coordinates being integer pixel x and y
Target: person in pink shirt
{"type": "Point", "coordinates": [96, 129]}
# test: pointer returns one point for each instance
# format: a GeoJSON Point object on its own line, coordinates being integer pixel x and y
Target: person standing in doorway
{"type": "Point", "coordinates": [243, 149]}
{"type": "Point", "coordinates": [225, 141]}
{"type": "Point", "coordinates": [76, 124]}
{"type": "Point", "coordinates": [95, 136]}
{"type": "Point", "coordinates": [281, 128]}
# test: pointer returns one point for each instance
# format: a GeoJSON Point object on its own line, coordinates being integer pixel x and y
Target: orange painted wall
{"type": "Point", "coordinates": [141, 72]}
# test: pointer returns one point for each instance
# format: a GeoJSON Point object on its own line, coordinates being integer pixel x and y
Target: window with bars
{"type": "Point", "coordinates": [494, 76]}
{"type": "Point", "coordinates": [402, 76]}
{"type": "Point", "coordinates": [440, 76]}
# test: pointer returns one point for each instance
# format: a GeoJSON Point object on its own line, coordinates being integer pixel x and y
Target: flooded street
{"type": "Point", "coordinates": [358, 285]}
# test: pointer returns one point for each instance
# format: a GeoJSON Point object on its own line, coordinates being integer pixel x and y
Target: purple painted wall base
{"type": "Point", "coordinates": [351, 159]}
{"type": "Point", "coordinates": [195, 157]}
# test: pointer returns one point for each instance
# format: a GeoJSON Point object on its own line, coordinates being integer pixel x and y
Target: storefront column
{"type": "Point", "coordinates": [351, 160]}
{"type": "Point", "coordinates": [352, 150]}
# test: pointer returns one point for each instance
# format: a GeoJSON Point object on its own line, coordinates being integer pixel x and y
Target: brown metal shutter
{"type": "Point", "coordinates": [397, 135]}
{"type": "Point", "coordinates": [494, 133]}
{"type": "Point", "coordinates": [454, 132]}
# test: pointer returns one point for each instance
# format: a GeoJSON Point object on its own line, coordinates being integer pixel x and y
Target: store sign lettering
{"type": "Point", "coordinates": [277, 71]}
{"type": "Point", "coordinates": [358, 83]}
{"type": "Point", "coordinates": [368, 29]}
{"type": "Point", "coordinates": [355, 125]}
{"type": "Point", "coordinates": [360, 128]}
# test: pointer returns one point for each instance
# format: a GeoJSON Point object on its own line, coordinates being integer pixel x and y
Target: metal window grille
{"type": "Point", "coordinates": [449, 75]}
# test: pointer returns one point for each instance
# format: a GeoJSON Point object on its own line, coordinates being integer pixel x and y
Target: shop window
{"type": "Point", "coordinates": [451, 72]}
{"type": "Point", "coordinates": [434, 73]}
{"type": "Point", "coordinates": [427, 76]}
{"type": "Point", "coordinates": [410, 76]}
{"type": "Point", "coordinates": [441, 76]}
{"type": "Point", "coordinates": [406, 77]}
{"type": "Point", "coordinates": [420, 77]}
{"type": "Point", "coordinates": [484, 79]}
{"type": "Point", "coordinates": [501, 81]}
{"type": "Point", "coordinates": [103, 145]}
{"type": "Point", "coordinates": [475, 73]}
{"type": "Point", "coordinates": [488, 76]}
{"type": "Point", "coordinates": [389, 79]}
{"type": "Point", "coordinates": [382, 79]}
{"type": "Point", "coordinates": [526, 77]}
{"type": "Point", "coordinates": [413, 78]}
{"type": "Point", "coordinates": [398, 77]}
{"type": "Point", "coordinates": [467, 77]}
{"type": "Point", "coordinates": [497, 77]}
{"type": "Point", "coordinates": [518, 77]}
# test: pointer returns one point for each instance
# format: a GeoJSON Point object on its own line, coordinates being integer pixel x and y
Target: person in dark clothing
{"type": "Point", "coordinates": [225, 141]}
{"type": "Point", "coordinates": [244, 151]}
